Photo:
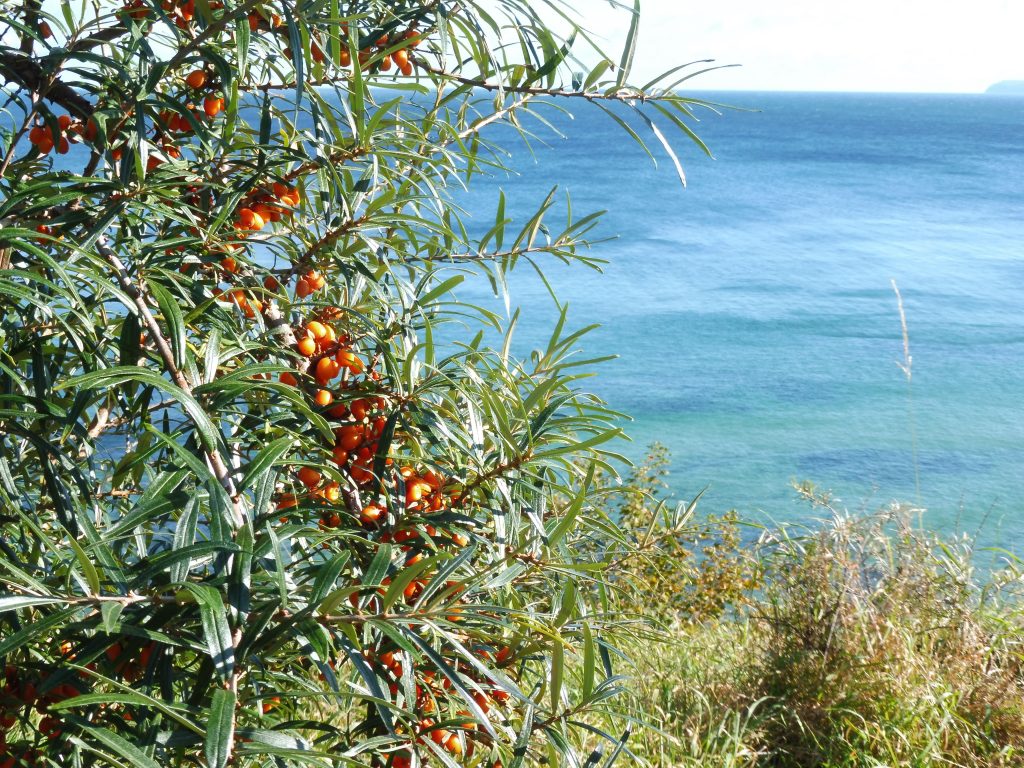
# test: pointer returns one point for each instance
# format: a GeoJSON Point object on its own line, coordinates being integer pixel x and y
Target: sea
{"type": "Point", "coordinates": [758, 333]}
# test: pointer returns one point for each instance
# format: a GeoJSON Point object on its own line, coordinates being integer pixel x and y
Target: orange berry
{"type": "Point", "coordinates": [303, 288]}
{"type": "Point", "coordinates": [385, 64]}
{"type": "Point", "coordinates": [264, 211]}
{"type": "Point", "coordinates": [326, 369]}
{"type": "Point", "coordinates": [413, 589]}
{"type": "Point", "coordinates": [44, 30]}
{"type": "Point", "coordinates": [454, 744]}
{"type": "Point", "coordinates": [49, 726]}
{"type": "Point", "coordinates": [309, 477]}
{"type": "Point", "coordinates": [281, 189]}
{"type": "Point", "coordinates": [212, 105]}
{"type": "Point", "coordinates": [316, 280]}
{"type": "Point", "coordinates": [358, 408]}
{"type": "Point", "coordinates": [339, 455]}
{"type": "Point", "coordinates": [348, 359]}
{"type": "Point", "coordinates": [350, 436]}
{"type": "Point", "coordinates": [482, 701]}
{"type": "Point", "coordinates": [307, 347]}
{"type": "Point", "coordinates": [401, 58]}
{"type": "Point", "coordinates": [249, 219]}
{"type": "Point", "coordinates": [323, 398]}
{"type": "Point", "coordinates": [361, 472]}
{"type": "Point", "coordinates": [64, 121]}
{"type": "Point", "coordinates": [319, 330]}
{"type": "Point", "coordinates": [271, 703]}
{"type": "Point", "coordinates": [440, 736]}
{"type": "Point", "coordinates": [196, 79]}
{"type": "Point", "coordinates": [289, 379]}
{"type": "Point", "coordinates": [371, 514]}
{"type": "Point", "coordinates": [252, 308]}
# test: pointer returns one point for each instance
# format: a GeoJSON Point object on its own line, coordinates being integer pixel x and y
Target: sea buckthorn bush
{"type": "Point", "coordinates": [259, 504]}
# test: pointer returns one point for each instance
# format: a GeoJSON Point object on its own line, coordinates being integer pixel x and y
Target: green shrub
{"type": "Point", "coordinates": [252, 510]}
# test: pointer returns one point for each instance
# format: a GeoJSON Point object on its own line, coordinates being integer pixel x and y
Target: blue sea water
{"type": "Point", "coordinates": [757, 331]}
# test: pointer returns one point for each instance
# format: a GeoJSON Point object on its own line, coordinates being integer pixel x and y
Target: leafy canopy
{"type": "Point", "coordinates": [253, 511]}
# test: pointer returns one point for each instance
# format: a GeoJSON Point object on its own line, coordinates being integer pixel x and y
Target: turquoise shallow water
{"type": "Point", "coordinates": [757, 330]}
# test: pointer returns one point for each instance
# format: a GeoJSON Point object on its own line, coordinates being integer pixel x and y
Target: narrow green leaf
{"type": "Point", "coordinates": [113, 376]}
{"type": "Point", "coordinates": [215, 628]}
{"type": "Point", "coordinates": [264, 461]}
{"type": "Point", "coordinates": [557, 671]}
{"type": "Point", "coordinates": [175, 321]}
{"type": "Point", "coordinates": [220, 728]}
{"type": "Point", "coordinates": [626, 62]}
{"type": "Point", "coordinates": [18, 602]}
{"type": "Point", "coordinates": [123, 748]}
{"type": "Point", "coordinates": [92, 576]}
{"type": "Point", "coordinates": [588, 662]}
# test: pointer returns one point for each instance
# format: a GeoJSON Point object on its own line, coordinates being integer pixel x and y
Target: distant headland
{"type": "Point", "coordinates": [1007, 87]}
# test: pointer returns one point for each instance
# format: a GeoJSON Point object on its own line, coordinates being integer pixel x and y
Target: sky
{"type": "Point", "coordinates": [815, 45]}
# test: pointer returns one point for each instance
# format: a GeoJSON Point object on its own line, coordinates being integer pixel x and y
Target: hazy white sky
{"type": "Point", "coordinates": [864, 45]}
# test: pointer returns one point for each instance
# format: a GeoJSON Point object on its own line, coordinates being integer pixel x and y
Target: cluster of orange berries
{"type": "Point", "coordinates": [356, 444]}
{"type": "Point", "coordinates": [18, 697]}
{"type": "Point", "coordinates": [45, 138]}
{"type": "Point", "coordinates": [456, 735]}
{"type": "Point", "coordinates": [213, 105]}
{"type": "Point", "coordinates": [263, 208]}
{"type": "Point", "coordinates": [129, 668]}
{"type": "Point", "coordinates": [260, 22]}
{"type": "Point", "coordinates": [180, 13]}
{"type": "Point", "coordinates": [400, 57]}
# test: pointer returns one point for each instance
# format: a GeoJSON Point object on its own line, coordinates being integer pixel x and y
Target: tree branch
{"type": "Point", "coordinates": [20, 69]}
{"type": "Point", "coordinates": [220, 469]}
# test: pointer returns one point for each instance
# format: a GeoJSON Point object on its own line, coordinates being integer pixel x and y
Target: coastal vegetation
{"type": "Point", "coordinates": [852, 640]}
{"type": "Point", "coordinates": [272, 495]}
{"type": "Point", "coordinates": [253, 511]}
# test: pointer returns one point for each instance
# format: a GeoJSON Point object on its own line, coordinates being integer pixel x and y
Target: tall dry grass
{"type": "Point", "coordinates": [863, 641]}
